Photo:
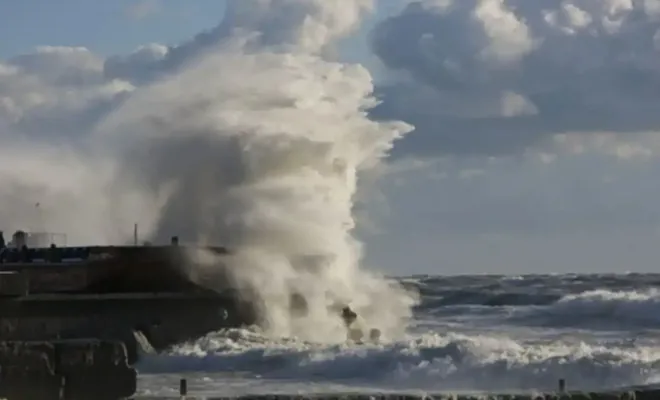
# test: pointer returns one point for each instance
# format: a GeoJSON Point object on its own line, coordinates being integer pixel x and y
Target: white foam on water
{"type": "Point", "coordinates": [429, 362]}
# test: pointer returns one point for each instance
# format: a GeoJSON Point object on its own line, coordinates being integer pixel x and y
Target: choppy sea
{"type": "Point", "coordinates": [471, 333]}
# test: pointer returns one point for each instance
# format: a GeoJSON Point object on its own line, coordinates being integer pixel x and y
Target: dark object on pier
{"type": "Point", "coordinates": [73, 317]}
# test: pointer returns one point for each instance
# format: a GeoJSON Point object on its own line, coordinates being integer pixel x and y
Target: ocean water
{"type": "Point", "coordinates": [471, 333]}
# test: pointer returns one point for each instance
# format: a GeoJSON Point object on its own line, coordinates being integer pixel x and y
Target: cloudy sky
{"type": "Point", "coordinates": [535, 141]}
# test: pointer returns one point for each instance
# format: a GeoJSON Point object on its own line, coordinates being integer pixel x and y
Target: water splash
{"type": "Point", "coordinates": [258, 145]}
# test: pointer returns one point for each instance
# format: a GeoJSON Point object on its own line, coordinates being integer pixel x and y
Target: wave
{"type": "Point", "coordinates": [532, 290]}
{"type": "Point", "coordinates": [475, 297]}
{"type": "Point", "coordinates": [616, 309]}
{"type": "Point", "coordinates": [431, 361]}
{"type": "Point", "coordinates": [547, 328]}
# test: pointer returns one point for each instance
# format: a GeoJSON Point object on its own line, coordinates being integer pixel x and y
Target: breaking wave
{"type": "Point", "coordinates": [594, 331]}
{"type": "Point", "coordinates": [605, 309]}
{"type": "Point", "coordinates": [257, 144]}
{"type": "Point", "coordinates": [431, 362]}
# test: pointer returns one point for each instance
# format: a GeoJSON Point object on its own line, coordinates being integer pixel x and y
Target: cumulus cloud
{"type": "Point", "coordinates": [287, 25]}
{"type": "Point", "coordinates": [56, 91]}
{"type": "Point", "coordinates": [538, 122]}
{"type": "Point", "coordinates": [495, 77]}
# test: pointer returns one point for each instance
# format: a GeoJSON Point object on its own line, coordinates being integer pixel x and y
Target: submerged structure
{"type": "Point", "coordinates": [74, 319]}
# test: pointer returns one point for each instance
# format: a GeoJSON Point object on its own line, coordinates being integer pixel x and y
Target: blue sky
{"type": "Point", "coordinates": [536, 142]}
{"type": "Point", "coordinates": [107, 27]}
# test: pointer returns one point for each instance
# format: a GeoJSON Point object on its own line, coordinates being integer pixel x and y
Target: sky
{"type": "Point", "coordinates": [535, 142]}
{"type": "Point", "coordinates": [121, 26]}
{"type": "Point", "coordinates": [109, 27]}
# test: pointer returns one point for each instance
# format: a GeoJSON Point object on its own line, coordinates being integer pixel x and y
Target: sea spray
{"type": "Point", "coordinates": [250, 137]}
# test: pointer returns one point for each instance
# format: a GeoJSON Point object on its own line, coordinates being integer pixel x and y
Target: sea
{"type": "Point", "coordinates": [470, 334]}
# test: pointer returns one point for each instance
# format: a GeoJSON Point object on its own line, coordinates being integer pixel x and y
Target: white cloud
{"type": "Point", "coordinates": [640, 146]}
{"type": "Point", "coordinates": [652, 8]}
{"type": "Point", "coordinates": [307, 24]}
{"type": "Point", "coordinates": [61, 65]}
{"type": "Point", "coordinates": [514, 105]}
{"type": "Point", "coordinates": [56, 92]}
{"type": "Point", "coordinates": [569, 18]}
{"type": "Point", "coordinates": [508, 38]}
{"type": "Point", "coordinates": [540, 68]}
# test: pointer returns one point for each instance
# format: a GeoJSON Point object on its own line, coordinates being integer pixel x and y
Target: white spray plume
{"type": "Point", "coordinates": [257, 145]}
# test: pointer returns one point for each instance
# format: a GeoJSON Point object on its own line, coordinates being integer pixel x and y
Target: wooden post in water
{"type": "Point", "coordinates": [135, 234]}
{"type": "Point", "coordinates": [62, 391]}
{"type": "Point", "coordinates": [562, 386]}
{"type": "Point", "coordinates": [183, 388]}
